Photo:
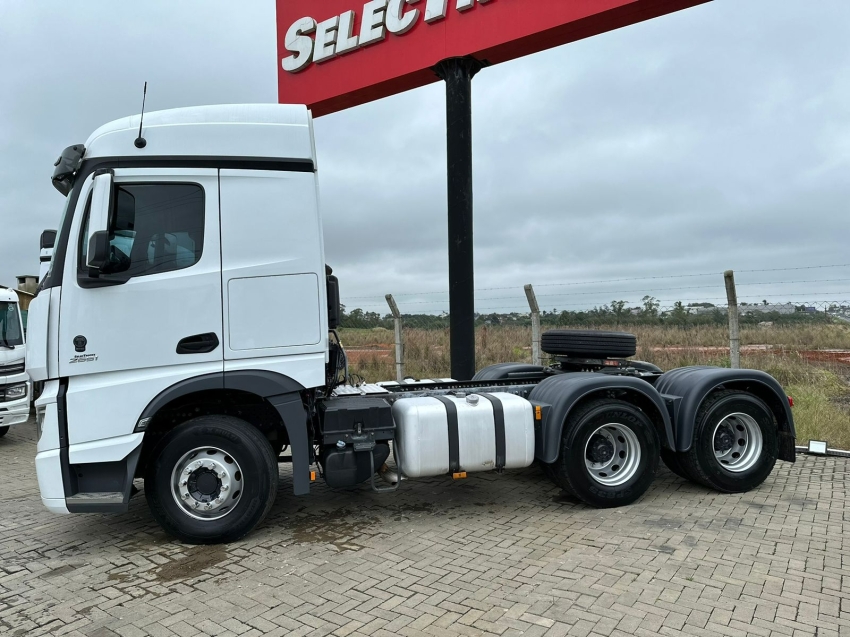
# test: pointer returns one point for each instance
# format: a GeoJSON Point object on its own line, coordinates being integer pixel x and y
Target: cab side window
{"type": "Point", "coordinates": [154, 228]}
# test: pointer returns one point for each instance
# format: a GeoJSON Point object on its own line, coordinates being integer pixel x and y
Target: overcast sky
{"type": "Point", "coordinates": [710, 139]}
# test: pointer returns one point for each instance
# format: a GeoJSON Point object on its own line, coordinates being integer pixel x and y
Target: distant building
{"type": "Point", "coordinates": [27, 283]}
{"type": "Point", "coordinates": [770, 308]}
{"type": "Point", "coordinates": [745, 310]}
{"type": "Point", "coordinates": [707, 311]}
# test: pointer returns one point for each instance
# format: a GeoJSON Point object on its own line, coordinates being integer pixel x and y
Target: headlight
{"type": "Point", "coordinates": [16, 392]}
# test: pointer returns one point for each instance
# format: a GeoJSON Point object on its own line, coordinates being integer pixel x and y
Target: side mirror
{"type": "Point", "coordinates": [48, 240]}
{"type": "Point", "coordinates": [98, 254]}
{"type": "Point", "coordinates": [98, 239]}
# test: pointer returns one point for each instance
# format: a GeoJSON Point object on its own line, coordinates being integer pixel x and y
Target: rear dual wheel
{"type": "Point", "coordinates": [609, 454]}
{"type": "Point", "coordinates": [735, 444]}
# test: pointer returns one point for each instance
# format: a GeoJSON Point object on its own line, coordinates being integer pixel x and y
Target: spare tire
{"type": "Point", "coordinates": [592, 343]}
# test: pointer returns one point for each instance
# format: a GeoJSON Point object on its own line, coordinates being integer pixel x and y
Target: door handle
{"type": "Point", "coordinates": [198, 344]}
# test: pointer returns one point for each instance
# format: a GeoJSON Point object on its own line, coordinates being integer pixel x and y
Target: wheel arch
{"type": "Point", "coordinates": [271, 402]}
{"type": "Point", "coordinates": [560, 395]}
{"type": "Point", "coordinates": [692, 386]}
{"type": "Point", "coordinates": [504, 371]}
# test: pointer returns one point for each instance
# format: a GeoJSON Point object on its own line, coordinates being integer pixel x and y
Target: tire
{"type": "Point", "coordinates": [674, 463]}
{"type": "Point", "coordinates": [591, 343]}
{"type": "Point", "coordinates": [627, 429]}
{"type": "Point", "coordinates": [741, 414]}
{"type": "Point", "coordinates": [242, 467]}
{"type": "Point", "coordinates": [3, 431]}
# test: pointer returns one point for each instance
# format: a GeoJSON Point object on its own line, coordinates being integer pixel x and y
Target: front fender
{"type": "Point", "coordinates": [282, 392]}
{"type": "Point", "coordinates": [559, 394]}
{"type": "Point", "coordinates": [695, 384]}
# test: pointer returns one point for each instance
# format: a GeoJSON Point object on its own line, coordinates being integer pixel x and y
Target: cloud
{"type": "Point", "coordinates": [710, 139]}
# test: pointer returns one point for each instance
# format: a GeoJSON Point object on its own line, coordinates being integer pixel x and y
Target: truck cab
{"type": "Point", "coordinates": [14, 382]}
{"type": "Point", "coordinates": [185, 335]}
{"type": "Point", "coordinates": [179, 265]}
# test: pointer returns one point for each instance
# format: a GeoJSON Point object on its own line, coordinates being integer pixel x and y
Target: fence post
{"type": "Point", "coordinates": [399, 345]}
{"type": "Point", "coordinates": [535, 324]}
{"type": "Point", "coordinates": [734, 335]}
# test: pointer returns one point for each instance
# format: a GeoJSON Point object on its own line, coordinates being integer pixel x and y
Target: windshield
{"type": "Point", "coordinates": [10, 325]}
{"type": "Point", "coordinates": [49, 270]}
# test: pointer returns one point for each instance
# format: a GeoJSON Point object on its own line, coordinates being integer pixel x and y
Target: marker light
{"type": "Point", "coordinates": [817, 447]}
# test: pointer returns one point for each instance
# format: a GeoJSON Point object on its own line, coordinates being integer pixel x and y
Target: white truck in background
{"type": "Point", "coordinates": [186, 335]}
{"type": "Point", "coordinates": [14, 382]}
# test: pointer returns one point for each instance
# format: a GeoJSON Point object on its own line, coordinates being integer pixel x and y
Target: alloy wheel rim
{"type": "Point", "coordinates": [737, 442]}
{"type": "Point", "coordinates": [207, 483]}
{"type": "Point", "coordinates": [612, 454]}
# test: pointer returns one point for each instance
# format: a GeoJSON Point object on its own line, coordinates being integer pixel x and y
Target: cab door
{"type": "Point", "coordinates": [153, 316]}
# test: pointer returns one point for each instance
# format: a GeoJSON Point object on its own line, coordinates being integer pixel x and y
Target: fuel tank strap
{"type": "Point", "coordinates": [499, 420]}
{"type": "Point", "coordinates": [454, 436]}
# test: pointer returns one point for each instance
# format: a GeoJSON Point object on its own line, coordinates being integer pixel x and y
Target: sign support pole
{"type": "Point", "coordinates": [457, 74]}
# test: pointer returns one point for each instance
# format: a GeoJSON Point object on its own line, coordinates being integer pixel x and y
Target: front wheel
{"type": "Point", "coordinates": [211, 480]}
{"type": "Point", "coordinates": [735, 443]}
{"type": "Point", "coordinates": [609, 454]}
{"type": "Point", "coordinates": [3, 431]}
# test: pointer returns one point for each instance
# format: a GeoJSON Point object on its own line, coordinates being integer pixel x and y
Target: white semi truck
{"type": "Point", "coordinates": [186, 336]}
{"type": "Point", "coordinates": [14, 382]}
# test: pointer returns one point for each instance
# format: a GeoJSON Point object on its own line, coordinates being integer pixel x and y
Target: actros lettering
{"type": "Point", "coordinates": [310, 41]}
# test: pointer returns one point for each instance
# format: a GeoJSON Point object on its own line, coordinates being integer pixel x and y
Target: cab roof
{"type": "Point", "coordinates": [282, 131]}
{"type": "Point", "coordinates": [8, 295]}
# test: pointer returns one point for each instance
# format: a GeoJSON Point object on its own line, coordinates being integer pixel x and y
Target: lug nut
{"type": "Point", "coordinates": [185, 496]}
{"type": "Point", "coordinates": [184, 483]}
{"type": "Point", "coordinates": [225, 487]}
{"type": "Point", "coordinates": [197, 504]}
{"type": "Point", "coordinates": [222, 475]}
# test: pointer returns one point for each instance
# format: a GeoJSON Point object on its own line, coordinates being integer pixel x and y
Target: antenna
{"type": "Point", "coordinates": [141, 142]}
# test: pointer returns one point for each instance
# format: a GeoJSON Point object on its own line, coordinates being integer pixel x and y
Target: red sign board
{"type": "Point", "coordinates": [334, 54]}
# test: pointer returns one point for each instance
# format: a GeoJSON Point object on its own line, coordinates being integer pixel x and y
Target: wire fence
{"type": "Point", "coordinates": [793, 323]}
{"type": "Point", "coordinates": [799, 294]}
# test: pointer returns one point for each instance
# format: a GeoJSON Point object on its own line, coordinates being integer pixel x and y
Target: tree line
{"type": "Point", "coordinates": [616, 313]}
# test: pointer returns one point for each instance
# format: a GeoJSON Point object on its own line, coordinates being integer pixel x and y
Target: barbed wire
{"type": "Point", "coordinates": [598, 293]}
{"type": "Point", "coordinates": [680, 317]}
{"type": "Point", "coordinates": [645, 278]}
{"type": "Point", "coordinates": [778, 308]}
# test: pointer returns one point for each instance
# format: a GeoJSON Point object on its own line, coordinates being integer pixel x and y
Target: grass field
{"type": "Point", "coordinates": [798, 356]}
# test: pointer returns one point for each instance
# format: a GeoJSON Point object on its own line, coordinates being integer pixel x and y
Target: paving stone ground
{"type": "Point", "coordinates": [492, 555]}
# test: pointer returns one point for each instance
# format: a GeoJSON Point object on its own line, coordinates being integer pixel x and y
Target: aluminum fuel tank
{"type": "Point", "coordinates": [450, 434]}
